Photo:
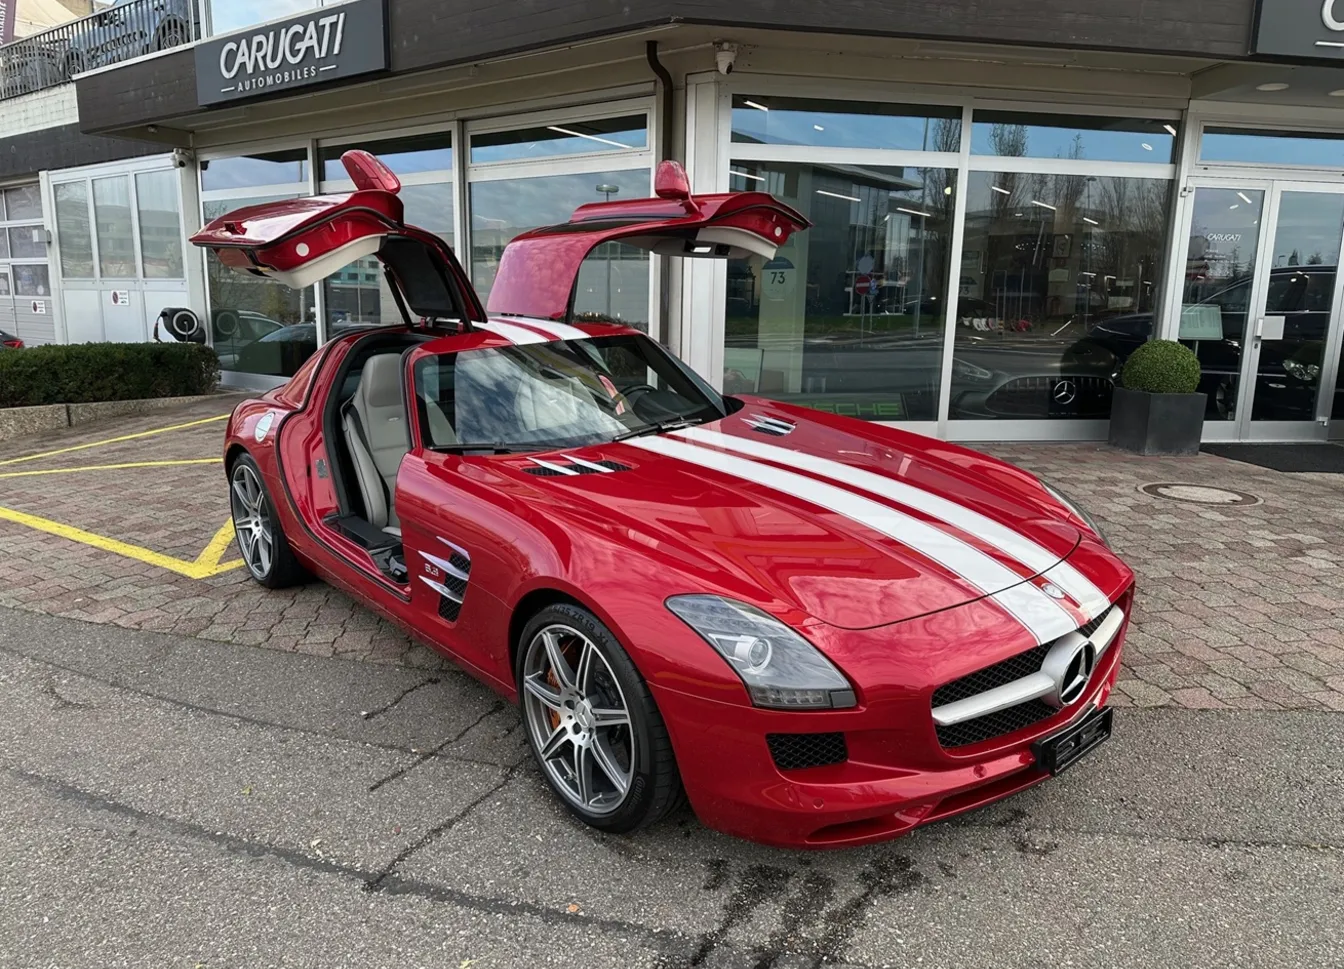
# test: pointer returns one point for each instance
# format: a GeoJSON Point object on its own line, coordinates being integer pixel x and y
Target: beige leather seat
{"type": "Point", "coordinates": [375, 429]}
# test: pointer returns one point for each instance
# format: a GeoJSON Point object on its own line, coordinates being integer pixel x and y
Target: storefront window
{"type": "Point", "coordinates": [1058, 283]}
{"type": "Point", "coordinates": [253, 171]}
{"type": "Point", "coordinates": [764, 120]}
{"type": "Point", "coordinates": [112, 216]}
{"type": "Point", "coordinates": [1017, 134]}
{"type": "Point", "coordinates": [849, 316]}
{"type": "Point", "coordinates": [23, 202]}
{"type": "Point", "coordinates": [31, 280]}
{"type": "Point", "coordinates": [160, 224]}
{"type": "Point", "coordinates": [562, 138]}
{"type": "Point", "coordinates": [358, 294]}
{"type": "Point", "coordinates": [74, 230]}
{"type": "Point", "coordinates": [257, 325]}
{"type": "Point", "coordinates": [1249, 146]}
{"type": "Point", "coordinates": [27, 242]}
{"type": "Point", "coordinates": [502, 209]}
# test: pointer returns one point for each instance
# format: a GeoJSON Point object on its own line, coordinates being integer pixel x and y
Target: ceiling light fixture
{"type": "Point", "coordinates": [1147, 147]}
{"type": "Point", "coordinates": [753, 104]}
{"type": "Point", "coordinates": [922, 215]}
{"type": "Point", "coordinates": [1245, 198]}
{"type": "Point", "coordinates": [817, 127]}
{"type": "Point", "coordinates": [1171, 129]}
{"type": "Point", "coordinates": [754, 178]}
{"type": "Point", "coordinates": [1044, 205]}
{"type": "Point", "coordinates": [1091, 221]}
{"type": "Point", "coordinates": [1272, 86]}
{"type": "Point", "coordinates": [837, 195]}
{"type": "Point", "coordinates": [1001, 191]}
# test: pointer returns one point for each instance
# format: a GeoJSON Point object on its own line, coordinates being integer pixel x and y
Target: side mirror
{"type": "Point", "coordinates": [670, 182]}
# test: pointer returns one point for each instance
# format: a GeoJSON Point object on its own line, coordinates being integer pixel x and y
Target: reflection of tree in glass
{"type": "Point", "coordinates": [1009, 140]}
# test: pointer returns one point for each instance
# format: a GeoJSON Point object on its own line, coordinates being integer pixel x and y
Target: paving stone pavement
{"type": "Point", "coordinates": [1239, 607]}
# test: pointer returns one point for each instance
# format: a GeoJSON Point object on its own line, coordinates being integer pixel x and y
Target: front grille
{"type": "Point", "coordinates": [981, 681]}
{"type": "Point", "coordinates": [1036, 397]}
{"type": "Point", "coordinates": [796, 751]}
{"type": "Point", "coordinates": [995, 724]}
{"type": "Point", "coordinates": [544, 472]}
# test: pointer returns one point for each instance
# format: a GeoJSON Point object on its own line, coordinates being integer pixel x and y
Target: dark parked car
{"type": "Point", "coordinates": [128, 28]}
{"type": "Point", "coordinates": [1289, 370]}
{"type": "Point", "coordinates": [8, 341]}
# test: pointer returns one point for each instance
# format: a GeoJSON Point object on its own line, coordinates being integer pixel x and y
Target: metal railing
{"type": "Point", "coordinates": [124, 30]}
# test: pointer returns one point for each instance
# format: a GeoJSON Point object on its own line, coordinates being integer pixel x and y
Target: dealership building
{"type": "Point", "coordinates": [1006, 198]}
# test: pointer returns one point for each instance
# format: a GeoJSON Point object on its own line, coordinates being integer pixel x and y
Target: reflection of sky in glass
{"type": "Point", "coordinates": [247, 171]}
{"type": "Point", "coordinates": [798, 121]}
{"type": "Point", "coordinates": [1097, 139]}
{"type": "Point", "coordinates": [1310, 226]}
{"type": "Point", "coordinates": [436, 159]}
{"type": "Point", "coordinates": [1277, 149]}
{"type": "Point", "coordinates": [503, 209]}
{"type": "Point", "coordinates": [227, 16]}
{"type": "Point", "coordinates": [563, 138]}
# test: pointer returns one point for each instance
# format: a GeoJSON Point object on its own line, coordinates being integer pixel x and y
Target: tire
{"type": "Point", "coordinates": [568, 717]}
{"type": "Point", "coordinates": [261, 541]}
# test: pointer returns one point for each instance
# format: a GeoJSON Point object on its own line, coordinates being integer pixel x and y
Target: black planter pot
{"type": "Point", "coordinates": [1157, 423]}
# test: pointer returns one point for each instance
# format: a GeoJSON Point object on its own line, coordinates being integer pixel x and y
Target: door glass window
{"type": "Point", "coordinates": [1215, 303]}
{"type": "Point", "coordinates": [31, 280]}
{"type": "Point", "coordinates": [849, 316]}
{"type": "Point", "coordinates": [74, 231]}
{"type": "Point", "coordinates": [1305, 258]}
{"type": "Point", "coordinates": [257, 325]}
{"type": "Point", "coordinates": [1059, 281]}
{"type": "Point", "coordinates": [160, 224]}
{"type": "Point", "coordinates": [112, 216]}
{"type": "Point", "coordinates": [503, 209]}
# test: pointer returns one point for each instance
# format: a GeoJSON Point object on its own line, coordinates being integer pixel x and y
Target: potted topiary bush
{"type": "Point", "coordinates": [1155, 409]}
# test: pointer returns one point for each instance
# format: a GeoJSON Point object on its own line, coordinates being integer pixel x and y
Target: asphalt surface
{"type": "Point", "coordinates": [171, 802]}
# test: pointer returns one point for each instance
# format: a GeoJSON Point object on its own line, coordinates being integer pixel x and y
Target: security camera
{"type": "Point", "coordinates": [724, 57]}
{"type": "Point", "coordinates": [181, 157]}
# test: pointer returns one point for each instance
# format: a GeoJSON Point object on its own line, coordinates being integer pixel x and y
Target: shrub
{"type": "Point", "coordinates": [1162, 367]}
{"type": "Point", "coordinates": [90, 372]}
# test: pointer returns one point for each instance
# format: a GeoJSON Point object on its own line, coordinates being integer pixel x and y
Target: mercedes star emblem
{"type": "Point", "coordinates": [1065, 392]}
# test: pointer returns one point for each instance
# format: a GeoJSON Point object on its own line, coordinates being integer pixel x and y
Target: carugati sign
{"type": "Point", "coordinates": [1300, 28]}
{"type": "Point", "coordinates": [325, 44]}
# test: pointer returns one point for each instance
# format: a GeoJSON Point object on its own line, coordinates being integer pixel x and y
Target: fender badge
{"type": "Point", "coordinates": [1052, 590]}
{"type": "Point", "coordinates": [263, 426]}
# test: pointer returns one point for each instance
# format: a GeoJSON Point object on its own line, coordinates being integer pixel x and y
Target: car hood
{"type": "Point", "coordinates": [854, 524]}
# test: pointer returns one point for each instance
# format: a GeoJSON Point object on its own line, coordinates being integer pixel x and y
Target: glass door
{"type": "Point", "coordinates": [1261, 304]}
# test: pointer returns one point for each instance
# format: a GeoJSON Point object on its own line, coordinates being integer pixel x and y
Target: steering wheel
{"type": "Point", "coordinates": [633, 389]}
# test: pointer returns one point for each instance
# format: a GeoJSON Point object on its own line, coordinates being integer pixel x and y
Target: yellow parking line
{"type": "Point", "coordinates": [116, 440]}
{"type": "Point", "coordinates": [109, 467]}
{"type": "Point", "coordinates": [213, 552]}
{"type": "Point", "coordinates": [204, 566]}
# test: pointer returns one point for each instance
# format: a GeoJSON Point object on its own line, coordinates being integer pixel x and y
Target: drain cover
{"type": "Point", "coordinates": [1198, 494]}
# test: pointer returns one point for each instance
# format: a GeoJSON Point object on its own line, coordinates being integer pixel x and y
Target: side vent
{"type": "Point", "coordinates": [448, 576]}
{"type": "Point", "coordinates": [569, 465]}
{"type": "Point", "coordinates": [772, 426]}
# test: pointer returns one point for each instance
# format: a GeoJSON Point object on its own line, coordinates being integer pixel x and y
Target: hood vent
{"type": "Point", "coordinates": [567, 466]}
{"type": "Point", "coordinates": [771, 426]}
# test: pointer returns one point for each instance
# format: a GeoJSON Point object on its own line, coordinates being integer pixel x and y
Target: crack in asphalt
{"type": "Point", "coordinates": [370, 714]}
{"type": "Point", "coordinates": [427, 755]}
{"type": "Point", "coordinates": [244, 718]}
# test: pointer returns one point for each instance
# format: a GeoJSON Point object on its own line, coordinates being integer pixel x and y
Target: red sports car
{"type": "Point", "coordinates": [822, 631]}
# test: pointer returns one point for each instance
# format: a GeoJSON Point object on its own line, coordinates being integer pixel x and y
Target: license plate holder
{"type": "Point", "coordinates": [1061, 751]}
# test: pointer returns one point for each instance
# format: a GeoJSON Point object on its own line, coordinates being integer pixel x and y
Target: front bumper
{"type": "Point", "coordinates": [896, 777]}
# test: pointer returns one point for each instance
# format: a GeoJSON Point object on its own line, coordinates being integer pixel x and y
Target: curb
{"type": "Point", "coordinates": [23, 421]}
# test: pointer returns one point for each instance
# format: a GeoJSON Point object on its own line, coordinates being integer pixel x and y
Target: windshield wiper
{"type": "Point", "coordinates": [497, 447]}
{"type": "Point", "coordinates": [662, 427]}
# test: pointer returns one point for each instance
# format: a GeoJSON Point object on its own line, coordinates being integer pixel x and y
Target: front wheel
{"type": "Point", "coordinates": [262, 542]}
{"type": "Point", "coordinates": [592, 723]}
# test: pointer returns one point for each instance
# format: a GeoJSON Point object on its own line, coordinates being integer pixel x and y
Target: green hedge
{"type": "Point", "coordinates": [90, 372]}
{"type": "Point", "coordinates": [1162, 367]}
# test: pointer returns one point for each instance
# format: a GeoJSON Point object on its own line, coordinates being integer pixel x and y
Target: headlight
{"type": "Point", "coordinates": [969, 371]}
{"type": "Point", "coordinates": [780, 668]}
{"type": "Point", "coordinates": [1302, 371]}
{"type": "Point", "coordinates": [1078, 512]}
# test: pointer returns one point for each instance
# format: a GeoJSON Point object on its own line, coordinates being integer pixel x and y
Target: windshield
{"type": "Point", "coordinates": [543, 396]}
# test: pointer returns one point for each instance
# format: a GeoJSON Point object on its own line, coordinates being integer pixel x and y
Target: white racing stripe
{"type": "Point", "coordinates": [1041, 615]}
{"type": "Point", "coordinates": [1013, 544]}
{"type": "Point", "coordinates": [560, 331]}
{"type": "Point", "coordinates": [518, 334]}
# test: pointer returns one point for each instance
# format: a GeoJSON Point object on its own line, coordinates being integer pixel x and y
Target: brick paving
{"type": "Point", "coordinates": [1240, 607]}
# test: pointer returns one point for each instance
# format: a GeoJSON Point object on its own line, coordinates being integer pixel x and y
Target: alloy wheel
{"type": "Point", "coordinates": [252, 520]}
{"type": "Point", "coordinates": [578, 719]}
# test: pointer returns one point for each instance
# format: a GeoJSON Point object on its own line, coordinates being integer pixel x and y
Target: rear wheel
{"type": "Point", "coordinates": [592, 723]}
{"type": "Point", "coordinates": [265, 551]}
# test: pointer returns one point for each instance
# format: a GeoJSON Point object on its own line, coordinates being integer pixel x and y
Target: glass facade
{"type": "Point", "coordinates": [848, 316]}
{"type": "Point", "coordinates": [812, 122]}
